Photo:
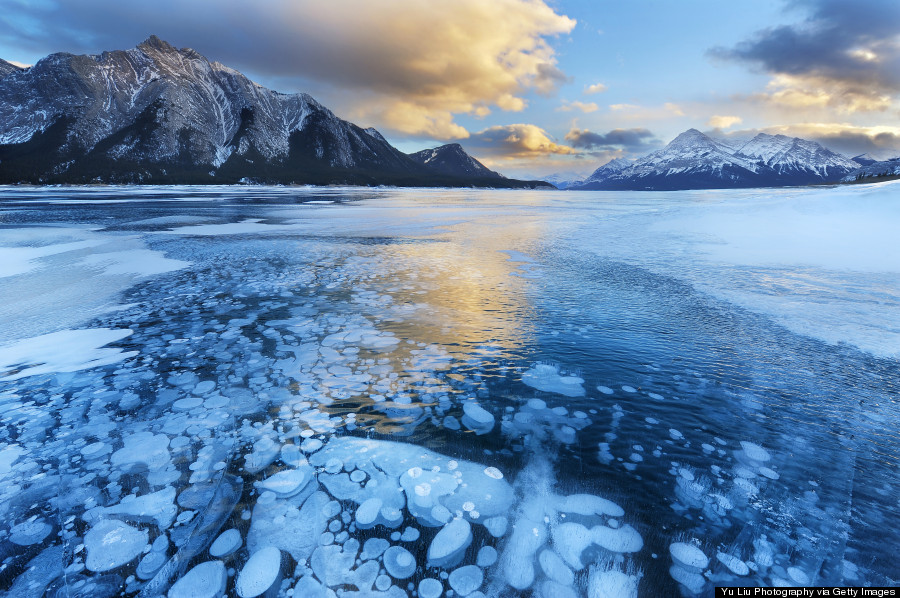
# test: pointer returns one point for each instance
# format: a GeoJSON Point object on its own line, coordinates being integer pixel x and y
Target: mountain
{"type": "Point", "coordinates": [452, 159]}
{"type": "Point", "coordinates": [864, 159]}
{"type": "Point", "coordinates": [798, 160]}
{"type": "Point", "coordinates": [690, 161]}
{"type": "Point", "coordinates": [611, 168]}
{"type": "Point", "coordinates": [7, 68]}
{"type": "Point", "coordinates": [564, 180]}
{"type": "Point", "coordinates": [694, 160]}
{"type": "Point", "coordinates": [157, 114]}
{"type": "Point", "coordinates": [875, 171]}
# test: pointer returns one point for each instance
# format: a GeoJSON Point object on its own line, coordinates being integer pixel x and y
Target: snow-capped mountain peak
{"type": "Point", "coordinates": [693, 160]}
{"type": "Point", "coordinates": [792, 154]}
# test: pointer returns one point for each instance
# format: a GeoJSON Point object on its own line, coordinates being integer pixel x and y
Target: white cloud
{"type": "Point", "coordinates": [585, 107]}
{"type": "Point", "coordinates": [723, 122]}
{"type": "Point", "coordinates": [595, 88]}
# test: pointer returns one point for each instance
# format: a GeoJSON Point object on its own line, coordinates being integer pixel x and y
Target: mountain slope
{"type": "Point", "coordinates": [611, 168]}
{"type": "Point", "coordinates": [690, 161]}
{"type": "Point", "coordinates": [453, 160]}
{"type": "Point", "coordinates": [564, 180]}
{"type": "Point", "coordinates": [7, 68]}
{"type": "Point", "coordinates": [157, 114]}
{"type": "Point", "coordinates": [797, 160]}
{"type": "Point", "coordinates": [695, 161]}
{"type": "Point", "coordinates": [874, 172]}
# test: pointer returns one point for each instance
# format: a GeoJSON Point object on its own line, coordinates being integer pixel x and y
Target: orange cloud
{"type": "Point", "coordinates": [515, 142]}
{"type": "Point", "coordinates": [426, 61]}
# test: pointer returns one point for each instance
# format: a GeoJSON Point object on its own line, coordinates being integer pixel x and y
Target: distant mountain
{"type": "Point", "coordinates": [690, 161]}
{"type": "Point", "coordinates": [453, 160]}
{"type": "Point", "coordinates": [875, 171]}
{"type": "Point", "coordinates": [696, 161]}
{"type": "Point", "coordinates": [799, 161]}
{"type": "Point", "coordinates": [7, 68]}
{"type": "Point", "coordinates": [157, 114]}
{"type": "Point", "coordinates": [611, 168]}
{"type": "Point", "coordinates": [564, 180]}
{"type": "Point", "coordinates": [864, 159]}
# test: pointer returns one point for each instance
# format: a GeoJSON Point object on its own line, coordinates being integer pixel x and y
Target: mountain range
{"type": "Point", "coordinates": [694, 160]}
{"type": "Point", "coordinates": [875, 171]}
{"type": "Point", "coordinates": [158, 114]}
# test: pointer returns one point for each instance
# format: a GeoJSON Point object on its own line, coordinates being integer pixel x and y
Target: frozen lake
{"type": "Point", "coordinates": [365, 392]}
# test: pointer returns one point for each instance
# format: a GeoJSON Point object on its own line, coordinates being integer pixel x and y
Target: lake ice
{"type": "Point", "coordinates": [416, 393]}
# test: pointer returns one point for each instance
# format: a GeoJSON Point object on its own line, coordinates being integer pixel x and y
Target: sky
{"type": "Point", "coordinates": [530, 87]}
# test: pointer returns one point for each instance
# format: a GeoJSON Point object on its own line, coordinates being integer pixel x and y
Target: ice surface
{"type": "Point", "coordinates": [466, 580]}
{"type": "Point", "coordinates": [612, 583]}
{"type": "Point", "coordinates": [63, 351]}
{"type": "Point", "coordinates": [206, 580]}
{"type": "Point", "coordinates": [688, 556]}
{"type": "Point", "coordinates": [734, 564]}
{"type": "Point", "coordinates": [555, 568]}
{"type": "Point", "coordinates": [20, 260]}
{"type": "Point", "coordinates": [157, 507]}
{"type": "Point", "coordinates": [261, 571]}
{"type": "Point", "coordinates": [449, 544]}
{"type": "Point", "coordinates": [111, 544]}
{"type": "Point", "coordinates": [399, 562]}
{"type": "Point", "coordinates": [476, 418]}
{"type": "Point", "coordinates": [549, 379]}
{"type": "Point", "coordinates": [280, 361]}
{"type": "Point", "coordinates": [773, 252]}
{"type": "Point", "coordinates": [29, 532]}
{"type": "Point", "coordinates": [588, 504]}
{"type": "Point", "coordinates": [139, 262]}
{"type": "Point", "coordinates": [227, 542]}
{"type": "Point", "coordinates": [430, 588]}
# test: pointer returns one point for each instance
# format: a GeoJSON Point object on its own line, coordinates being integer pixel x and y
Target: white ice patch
{"type": "Point", "coordinates": [20, 260]}
{"type": "Point", "coordinates": [138, 262]}
{"type": "Point", "coordinates": [821, 261]}
{"type": "Point", "coordinates": [63, 351]}
{"type": "Point", "coordinates": [250, 226]}
{"type": "Point", "coordinates": [261, 571]}
{"type": "Point", "coordinates": [547, 378]}
{"type": "Point", "coordinates": [111, 544]}
{"type": "Point", "coordinates": [206, 580]}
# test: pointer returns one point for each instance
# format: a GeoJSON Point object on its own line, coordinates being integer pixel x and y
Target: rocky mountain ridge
{"type": "Point", "coordinates": [158, 114]}
{"type": "Point", "coordinates": [453, 160]}
{"type": "Point", "coordinates": [694, 160]}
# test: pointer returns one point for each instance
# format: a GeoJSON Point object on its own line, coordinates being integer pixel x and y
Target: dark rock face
{"type": "Point", "coordinates": [7, 68]}
{"type": "Point", "coordinates": [452, 159]}
{"type": "Point", "coordinates": [157, 114]}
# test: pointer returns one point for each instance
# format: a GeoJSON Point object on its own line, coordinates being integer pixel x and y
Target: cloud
{"type": "Point", "coordinates": [844, 55]}
{"type": "Point", "coordinates": [576, 105]}
{"type": "Point", "coordinates": [723, 122]}
{"type": "Point", "coordinates": [515, 141]}
{"type": "Point", "coordinates": [633, 112]}
{"type": "Point", "coordinates": [595, 88]}
{"type": "Point", "coordinates": [382, 59]}
{"type": "Point", "coordinates": [632, 140]}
